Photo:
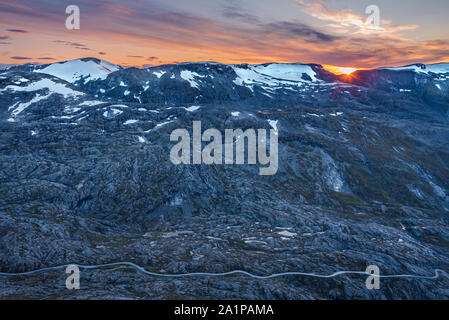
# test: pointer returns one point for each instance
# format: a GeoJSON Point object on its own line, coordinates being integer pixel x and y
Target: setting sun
{"type": "Point", "coordinates": [340, 70]}
{"type": "Point", "coordinates": [347, 70]}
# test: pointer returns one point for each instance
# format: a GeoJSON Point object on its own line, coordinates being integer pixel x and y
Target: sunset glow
{"type": "Point", "coordinates": [154, 32]}
{"type": "Point", "coordinates": [340, 70]}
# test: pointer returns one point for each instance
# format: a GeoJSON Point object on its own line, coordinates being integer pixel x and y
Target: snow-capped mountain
{"type": "Point", "coordinates": [428, 83]}
{"type": "Point", "coordinates": [416, 73]}
{"type": "Point", "coordinates": [437, 68]}
{"type": "Point", "coordinates": [212, 82]}
{"type": "Point", "coordinates": [270, 84]}
{"type": "Point", "coordinates": [85, 69]}
{"type": "Point", "coordinates": [205, 82]}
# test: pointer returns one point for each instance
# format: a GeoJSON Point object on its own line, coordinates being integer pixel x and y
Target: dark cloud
{"type": "Point", "coordinates": [4, 37]}
{"type": "Point", "coordinates": [102, 53]}
{"type": "Point", "coordinates": [291, 30]}
{"type": "Point", "coordinates": [17, 30]}
{"type": "Point", "coordinates": [2, 42]}
{"type": "Point", "coordinates": [20, 58]}
{"type": "Point", "coordinates": [76, 45]}
{"type": "Point", "coordinates": [46, 58]}
{"type": "Point", "coordinates": [239, 14]}
{"type": "Point", "coordinates": [70, 43]}
{"type": "Point", "coordinates": [182, 30]}
{"type": "Point", "coordinates": [437, 42]}
{"type": "Point", "coordinates": [29, 9]}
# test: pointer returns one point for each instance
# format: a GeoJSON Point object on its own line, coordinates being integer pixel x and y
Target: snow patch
{"type": "Point", "coordinates": [159, 125]}
{"type": "Point", "coordinates": [52, 86]}
{"type": "Point", "coordinates": [91, 103]}
{"type": "Point", "coordinates": [112, 113]}
{"type": "Point", "coordinates": [192, 108]}
{"type": "Point", "coordinates": [274, 74]}
{"type": "Point", "coordinates": [287, 71]}
{"type": "Point", "coordinates": [286, 233]}
{"type": "Point", "coordinates": [23, 106]}
{"type": "Point", "coordinates": [130, 122]}
{"type": "Point", "coordinates": [189, 76]}
{"type": "Point", "coordinates": [315, 115]}
{"type": "Point", "coordinates": [159, 74]}
{"type": "Point", "coordinates": [336, 114]}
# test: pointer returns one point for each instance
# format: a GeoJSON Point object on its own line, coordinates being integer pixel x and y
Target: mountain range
{"type": "Point", "coordinates": [85, 178]}
{"type": "Point", "coordinates": [211, 82]}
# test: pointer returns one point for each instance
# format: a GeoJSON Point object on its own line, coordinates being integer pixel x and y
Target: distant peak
{"type": "Point", "coordinates": [84, 69]}
{"type": "Point", "coordinates": [96, 60]}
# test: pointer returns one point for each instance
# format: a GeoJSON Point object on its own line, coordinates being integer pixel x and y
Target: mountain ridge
{"type": "Point", "coordinates": [217, 62]}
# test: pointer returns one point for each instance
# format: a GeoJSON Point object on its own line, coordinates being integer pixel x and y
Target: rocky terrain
{"type": "Point", "coordinates": [86, 178]}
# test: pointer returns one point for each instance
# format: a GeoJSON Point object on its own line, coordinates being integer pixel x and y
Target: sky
{"type": "Point", "coordinates": [153, 32]}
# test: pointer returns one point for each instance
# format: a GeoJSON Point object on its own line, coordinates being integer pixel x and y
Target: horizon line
{"type": "Point", "coordinates": [146, 66]}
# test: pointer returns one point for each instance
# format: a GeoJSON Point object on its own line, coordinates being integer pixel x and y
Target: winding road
{"type": "Point", "coordinates": [436, 275]}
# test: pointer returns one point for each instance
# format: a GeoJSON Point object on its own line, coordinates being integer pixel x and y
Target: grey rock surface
{"type": "Point", "coordinates": [363, 179]}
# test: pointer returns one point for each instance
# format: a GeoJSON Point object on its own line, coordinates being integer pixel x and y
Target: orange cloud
{"type": "Point", "coordinates": [177, 36]}
{"type": "Point", "coordinates": [345, 21]}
